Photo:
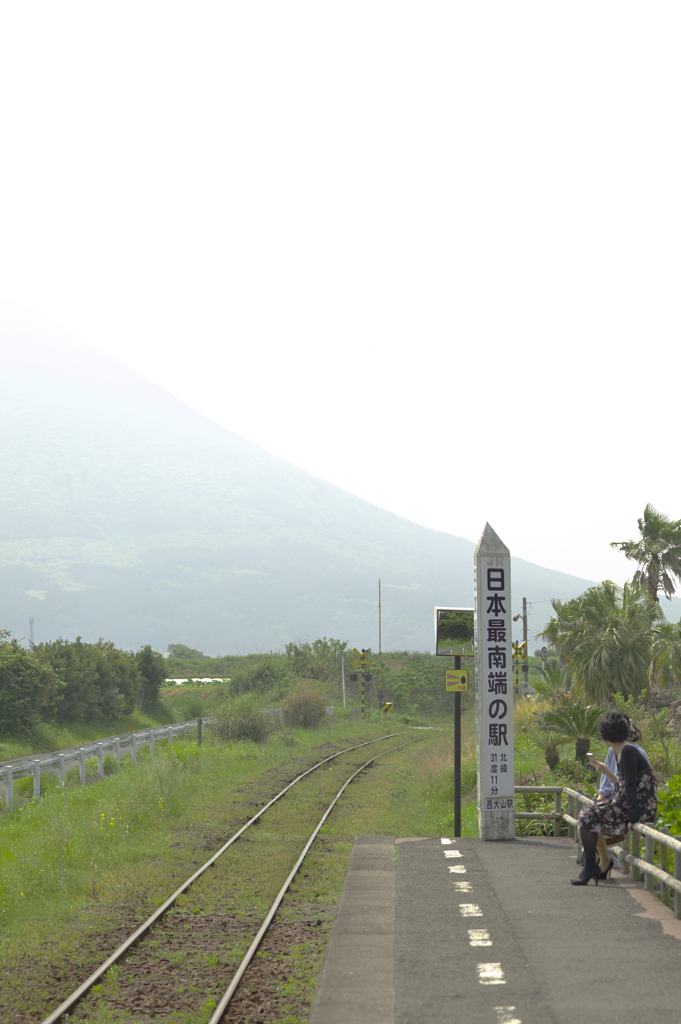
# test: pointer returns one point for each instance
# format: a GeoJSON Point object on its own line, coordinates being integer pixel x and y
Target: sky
{"type": "Point", "coordinates": [428, 252]}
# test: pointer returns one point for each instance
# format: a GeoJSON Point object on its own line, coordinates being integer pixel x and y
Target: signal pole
{"type": "Point", "coordinates": [363, 661]}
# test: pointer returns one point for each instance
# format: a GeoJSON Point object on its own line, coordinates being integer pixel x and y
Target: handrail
{"type": "Point", "coordinates": [645, 865]}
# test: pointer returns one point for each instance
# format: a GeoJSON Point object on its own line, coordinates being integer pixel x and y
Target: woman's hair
{"type": "Point", "coordinates": [635, 735]}
{"type": "Point", "coordinates": [614, 727]}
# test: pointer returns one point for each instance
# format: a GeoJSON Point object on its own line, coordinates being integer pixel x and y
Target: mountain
{"type": "Point", "coordinates": [126, 514]}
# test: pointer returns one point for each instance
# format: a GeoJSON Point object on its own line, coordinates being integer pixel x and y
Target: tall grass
{"type": "Point", "coordinates": [58, 847]}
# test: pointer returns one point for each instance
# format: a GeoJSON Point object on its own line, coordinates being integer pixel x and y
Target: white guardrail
{"type": "Point", "coordinates": [21, 767]}
{"type": "Point", "coordinates": [656, 842]}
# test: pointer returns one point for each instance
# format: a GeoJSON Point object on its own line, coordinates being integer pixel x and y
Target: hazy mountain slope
{"type": "Point", "coordinates": [124, 513]}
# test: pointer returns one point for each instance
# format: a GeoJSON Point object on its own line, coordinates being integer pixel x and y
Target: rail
{"type": "Point", "coordinates": [22, 767]}
{"type": "Point", "coordinates": [656, 843]}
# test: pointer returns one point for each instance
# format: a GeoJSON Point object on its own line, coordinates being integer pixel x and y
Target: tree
{"type": "Point", "coordinates": [152, 670]}
{"type": "Point", "coordinates": [608, 636]}
{"type": "Point", "coordinates": [658, 552]}
{"type": "Point", "coordinates": [28, 689]}
{"type": "Point", "coordinates": [101, 681]}
{"type": "Point", "coordinates": [579, 723]}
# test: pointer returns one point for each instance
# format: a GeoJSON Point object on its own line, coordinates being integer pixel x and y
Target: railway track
{"type": "Point", "coordinates": [174, 909]}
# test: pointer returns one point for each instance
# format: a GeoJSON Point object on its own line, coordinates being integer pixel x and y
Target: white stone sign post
{"type": "Point", "coordinates": [494, 688]}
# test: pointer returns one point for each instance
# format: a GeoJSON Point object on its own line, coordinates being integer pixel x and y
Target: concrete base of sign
{"type": "Point", "coordinates": [496, 825]}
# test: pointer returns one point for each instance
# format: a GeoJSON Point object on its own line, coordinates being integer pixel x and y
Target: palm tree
{"type": "Point", "coordinates": [549, 740]}
{"type": "Point", "coordinates": [579, 723]}
{"type": "Point", "coordinates": [658, 552]}
{"type": "Point", "coordinates": [608, 635]}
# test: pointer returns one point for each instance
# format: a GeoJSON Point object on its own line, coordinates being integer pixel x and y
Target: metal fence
{"type": "Point", "coordinates": [656, 844]}
{"type": "Point", "coordinates": [22, 767]}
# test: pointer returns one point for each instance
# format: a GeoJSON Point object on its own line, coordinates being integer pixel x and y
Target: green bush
{"type": "Point", "coordinates": [187, 706]}
{"type": "Point", "coordinates": [305, 705]}
{"type": "Point", "coordinates": [669, 806]}
{"type": "Point", "coordinates": [241, 718]}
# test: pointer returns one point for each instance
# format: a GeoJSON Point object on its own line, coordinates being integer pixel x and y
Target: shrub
{"type": "Point", "coordinates": [669, 805]}
{"type": "Point", "coordinates": [305, 705]}
{"type": "Point", "coordinates": [242, 719]}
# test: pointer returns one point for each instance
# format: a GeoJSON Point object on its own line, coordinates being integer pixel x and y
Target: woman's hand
{"type": "Point", "coordinates": [598, 765]}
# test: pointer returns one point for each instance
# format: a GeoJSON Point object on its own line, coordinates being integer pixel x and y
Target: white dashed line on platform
{"type": "Point", "coordinates": [446, 842]}
{"type": "Point", "coordinates": [453, 853]}
{"type": "Point", "coordinates": [506, 1015]}
{"type": "Point", "coordinates": [463, 886]}
{"type": "Point", "coordinates": [470, 910]}
{"type": "Point", "coordinates": [458, 869]}
{"type": "Point", "coordinates": [491, 974]}
{"type": "Point", "coordinates": [479, 937]}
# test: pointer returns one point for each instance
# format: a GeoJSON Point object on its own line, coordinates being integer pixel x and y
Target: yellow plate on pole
{"type": "Point", "coordinates": [456, 680]}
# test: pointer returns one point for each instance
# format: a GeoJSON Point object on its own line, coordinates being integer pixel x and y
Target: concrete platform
{"type": "Point", "coordinates": [460, 930]}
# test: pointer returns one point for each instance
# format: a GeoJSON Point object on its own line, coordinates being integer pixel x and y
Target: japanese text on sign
{"type": "Point", "coordinates": [495, 691]}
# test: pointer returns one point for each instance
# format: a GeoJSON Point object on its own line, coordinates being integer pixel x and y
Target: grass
{"type": "Point", "coordinates": [80, 863]}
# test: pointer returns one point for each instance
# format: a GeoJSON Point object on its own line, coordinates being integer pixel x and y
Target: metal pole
{"type": "Point", "coordinates": [62, 770]}
{"type": "Point", "coordinates": [36, 778]}
{"type": "Point", "coordinates": [100, 760]}
{"type": "Point", "coordinates": [82, 766]}
{"type": "Point", "coordinates": [363, 670]}
{"type": "Point", "coordinates": [134, 748]}
{"type": "Point", "coordinates": [9, 787]}
{"type": "Point", "coordinates": [151, 741]}
{"type": "Point", "coordinates": [457, 755]}
{"type": "Point", "coordinates": [343, 676]}
{"type": "Point", "coordinates": [117, 749]}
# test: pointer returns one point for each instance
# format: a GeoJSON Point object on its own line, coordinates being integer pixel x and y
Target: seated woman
{"type": "Point", "coordinates": [634, 798]}
{"type": "Point", "coordinates": [608, 769]}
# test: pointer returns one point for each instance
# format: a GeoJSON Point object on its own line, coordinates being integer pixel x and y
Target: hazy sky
{"type": "Point", "coordinates": [426, 251]}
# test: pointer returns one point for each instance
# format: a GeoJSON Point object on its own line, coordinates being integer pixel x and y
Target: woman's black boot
{"type": "Point", "coordinates": [591, 869]}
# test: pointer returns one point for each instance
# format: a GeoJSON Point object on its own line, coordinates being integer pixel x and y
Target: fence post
{"type": "Point", "coordinates": [572, 832]}
{"type": "Point", "coordinates": [677, 876]}
{"type": "Point", "coordinates": [100, 760]}
{"type": "Point", "coordinates": [62, 770]}
{"type": "Point", "coordinates": [649, 881]}
{"type": "Point", "coordinates": [9, 784]}
{"type": "Point", "coordinates": [151, 741]}
{"type": "Point", "coordinates": [636, 850]}
{"type": "Point", "coordinates": [626, 846]}
{"type": "Point", "coordinates": [199, 726]}
{"type": "Point", "coordinates": [170, 734]}
{"type": "Point", "coordinates": [82, 766]}
{"type": "Point", "coordinates": [117, 749]}
{"type": "Point", "coordinates": [36, 779]}
{"type": "Point", "coordinates": [134, 749]}
{"type": "Point", "coordinates": [666, 892]}
{"type": "Point", "coordinates": [557, 805]}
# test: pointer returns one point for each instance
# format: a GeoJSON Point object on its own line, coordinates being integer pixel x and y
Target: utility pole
{"type": "Point", "coordinates": [526, 665]}
{"type": "Point", "coordinates": [380, 658]}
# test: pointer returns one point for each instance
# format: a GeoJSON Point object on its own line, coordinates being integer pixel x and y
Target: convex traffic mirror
{"type": "Point", "coordinates": [454, 629]}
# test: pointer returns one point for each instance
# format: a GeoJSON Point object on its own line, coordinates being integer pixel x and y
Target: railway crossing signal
{"type": "Point", "coordinates": [519, 651]}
